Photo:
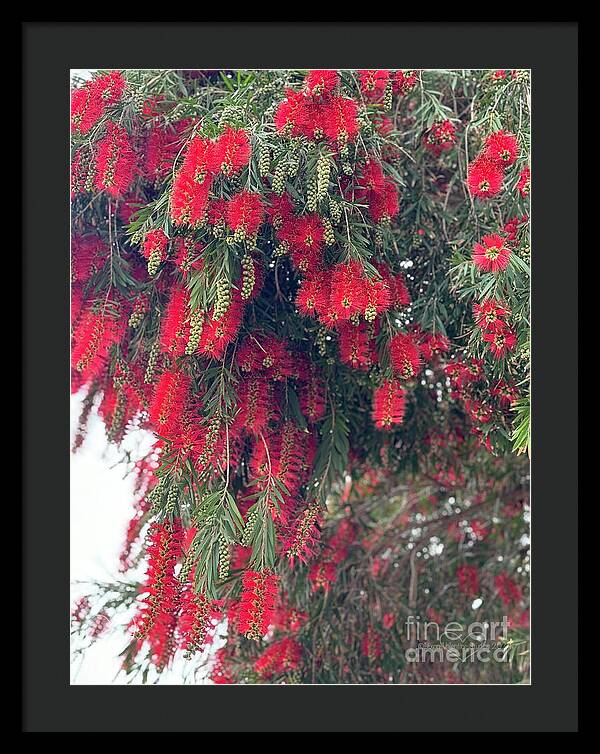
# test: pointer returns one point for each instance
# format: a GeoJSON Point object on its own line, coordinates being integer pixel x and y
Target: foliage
{"type": "Point", "coordinates": [313, 287]}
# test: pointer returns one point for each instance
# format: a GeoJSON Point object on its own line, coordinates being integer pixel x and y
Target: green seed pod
{"type": "Point", "coordinates": [248, 277]}
{"type": "Point", "coordinates": [222, 300]}
{"type": "Point", "coordinates": [264, 161]}
{"type": "Point", "coordinates": [328, 234]}
{"type": "Point", "coordinates": [152, 362]}
{"type": "Point", "coordinates": [196, 327]}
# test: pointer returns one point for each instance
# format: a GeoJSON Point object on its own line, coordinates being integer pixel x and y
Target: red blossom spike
{"type": "Point", "coordinates": [405, 356]}
{"type": "Point", "coordinates": [388, 404]}
{"type": "Point", "coordinates": [257, 607]}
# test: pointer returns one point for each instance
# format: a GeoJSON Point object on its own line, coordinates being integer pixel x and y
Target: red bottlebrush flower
{"type": "Point", "coordinates": [199, 159]}
{"type": "Point", "coordinates": [220, 674]}
{"type": "Point", "coordinates": [384, 205]}
{"type": "Point", "coordinates": [373, 84]}
{"type": "Point", "coordinates": [440, 137]}
{"type": "Point", "coordinates": [88, 255]}
{"type": "Point", "coordinates": [478, 412]}
{"type": "Point", "coordinates": [485, 178]}
{"type": "Point", "coordinates": [218, 334]}
{"type": "Point", "coordinates": [93, 338]}
{"type": "Point", "coordinates": [506, 393]}
{"type": "Point", "coordinates": [89, 102]}
{"type": "Point", "coordinates": [512, 226]}
{"type": "Point", "coordinates": [371, 644]}
{"type": "Point", "coordinates": [322, 575]}
{"type": "Point", "coordinates": [281, 210]}
{"type": "Point", "coordinates": [162, 589]}
{"type": "Point", "coordinates": [433, 346]}
{"type": "Point", "coordinates": [154, 248]}
{"type": "Point", "coordinates": [405, 81]}
{"type": "Point", "coordinates": [524, 183]}
{"type": "Point", "coordinates": [231, 152]}
{"type": "Point", "coordinates": [378, 298]}
{"type": "Point", "coordinates": [492, 254]}
{"type": "Point", "coordinates": [490, 315]}
{"type": "Point", "coordinates": [175, 328]}
{"type": "Point", "coordinates": [115, 162]}
{"type": "Point", "coordinates": [257, 607]}
{"type": "Point", "coordinates": [268, 354]}
{"type": "Point", "coordinates": [189, 200]}
{"type": "Point", "coordinates": [468, 580]}
{"type": "Point", "coordinates": [313, 294]}
{"type": "Point", "coordinates": [507, 589]}
{"type": "Point", "coordinates": [169, 401]}
{"type": "Point", "coordinates": [356, 347]}
{"type": "Point", "coordinates": [245, 214]}
{"type": "Point", "coordinates": [290, 117]}
{"type": "Point", "coordinates": [348, 295]}
{"type": "Point", "coordinates": [405, 356]}
{"type": "Point", "coordinates": [372, 177]}
{"type": "Point", "coordinates": [254, 405]}
{"type": "Point", "coordinates": [280, 657]}
{"type": "Point", "coordinates": [340, 120]}
{"type": "Point", "coordinates": [384, 125]}
{"type": "Point", "coordinates": [162, 147]}
{"type": "Point", "coordinates": [288, 456]}
{"type": "Point", "coordinates": [501, 148]}
{"type": "Point", "coordinates": [305, 236]}
{"type": "Point", "coordinates": [311, 396]}
{"type": "Point", "coordinates": [319, 83]}
{"type": "Point", "coordinates": [388, 620]}
{"type": "Point", "coordinates": [304, 534]}
{"type": "Point", "coordinates": [500, 342]}
{"type": "Point", "coordinates": [194, 619]}
{"type": "Point", "coordinates": [388, 404]}
{"type": "Point", "coordinates": [397, 285]}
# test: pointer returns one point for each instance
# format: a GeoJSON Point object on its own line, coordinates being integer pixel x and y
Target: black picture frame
{"type": "Point", "coordinates": [549, 703]}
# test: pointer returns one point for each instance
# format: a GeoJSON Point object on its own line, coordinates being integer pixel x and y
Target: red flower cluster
{"type": "Point", "coordinates": [161, 149]}
{"type": "Point", "coordinates": [95, 334]}
{"type": "Point", "coordinates": [156, 620]}
{"type": "Point", "coordinates": [257, 607]}
{"type": "Point", "coordinates": [322, 575]}
{"type": "Point", "coordinates": [388, 404]}
{"type": "Point", "coordinates": [278, 658]}
{"type": "Point", "coordinates": [316, 112]}
{"type": "Point", "coordinates": [230, 153]}
{"type": "Point", "coordinates": [89, 102]}
{"type": "Point", "coordinates": [116, 161]}
{"type": "Point", "coordinates": [378, 192]}
{"type": "Point", "coordinates": [405, 356]}
{"type": "Point", "coordinates": [245, 214]}
{"type": "Point", "coordinates": [486, 173]}
{"type": "Point", "coordinates": [195, 616]}
{"type": "Point", "coordinates": [524, 182]}
{"type": "Point", "coordinates": [468, 580]}
{"type": "Point", "coordinates": [509, 592]}
{"type": "Point", "coordinates": [490, 315]}
{"type": "Point", "coordinates": [492, 254]}
{"type": "Point", "coordinates": [175, 328]}
{"type": "Point", "coordinates": [373, 84]}
{"type": "Point", "coordinates": [320, 83]}
{"type": "Point", "coordinates": [169, 401]}
{"type": "Point", "coordinates": [440, 137]}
